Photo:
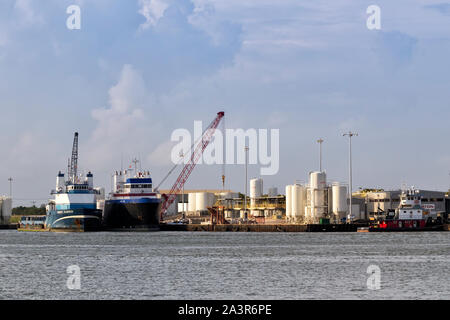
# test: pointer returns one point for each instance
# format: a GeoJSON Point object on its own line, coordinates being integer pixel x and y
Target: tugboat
{"type": "Point", "coordinates": [133, 204]}
{"type": "Point", "coordinates": [74, 207]}
{"type": "Point", "coordinates": [409, 216]}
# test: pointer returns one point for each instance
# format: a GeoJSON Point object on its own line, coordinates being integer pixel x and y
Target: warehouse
{"type": "Point", "coordinates": [378, 201]}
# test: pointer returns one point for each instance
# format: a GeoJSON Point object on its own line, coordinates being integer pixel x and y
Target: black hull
{"type": "Point", "coordinates": [142, 216]}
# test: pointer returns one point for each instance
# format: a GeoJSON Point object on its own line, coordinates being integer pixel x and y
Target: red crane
{"type": "Point", "coordinates": [195, 156]}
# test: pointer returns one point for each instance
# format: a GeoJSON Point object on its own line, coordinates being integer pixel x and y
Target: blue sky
{"type": "Point", "coordinates": [139, 69]}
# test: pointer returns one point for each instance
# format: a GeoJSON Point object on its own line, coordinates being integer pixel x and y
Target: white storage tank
{"type": "Point", "coordinates": [298, 202]}
{"type": "Point", "coordinates": [5, 209]}
{"type": "Point", "coordinates": [203, 200]}
{"type": "Point", "coordinates": [288, 201]}
{"type": "Point", "coordinates": [318, 180]}
{"type": "Point", "coordinates": [256, 190]}
{"type": "Point", "coordinates": [191, 202]}
{"type": "Point", "coordinates": [340, 204]}
{"type": "Point", "coordinates": [317, 187]}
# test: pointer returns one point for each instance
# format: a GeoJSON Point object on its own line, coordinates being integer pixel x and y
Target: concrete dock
{"type": "Point", "coordinates": [262, 227]}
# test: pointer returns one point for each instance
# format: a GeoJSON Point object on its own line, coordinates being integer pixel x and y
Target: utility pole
{"type": "Point", "coordinates": [10, 179]}
{"type": "Point", "coordinates": [320, 141]}
{"type": "Point", "coordinates": [350, 135]}
{"type": "Point", "coordinates": [246, 169]}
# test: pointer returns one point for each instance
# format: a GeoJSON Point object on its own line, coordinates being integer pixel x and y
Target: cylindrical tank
{"type": "Point", "coordinates": [288, 201]}
{"type": "Point", "coordinates": [317, 187]}
{"type": "Point", "coordinates": [317, 180]}
{"type": "Point", "coordinates": [5, 209]}
{"type": "Point", "coordinates": [256, 190]}
{"type": "Point", "coordinates": [272, 192]}
{"type": "Point", "coordinates": [299, 194]}
{"type": "Point", "coordinates": [340, 205]}
{"type": "Point", "coordinates": [191, 202]}
{"type": "Point", "coordinates": [203, 200]}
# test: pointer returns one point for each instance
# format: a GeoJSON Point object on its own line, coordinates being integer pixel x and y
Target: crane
{"type": "Point", "coordinates": [74, 160]}
{"type": "Point", "coordinates": [197, 151]}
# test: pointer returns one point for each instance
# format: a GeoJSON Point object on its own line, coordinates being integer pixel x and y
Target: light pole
{"type": "Point", "coordinates": [246, 169]}
{"type": "Point", "coordinates": [10, 186]}
{"type": "Point", "coordinates": [182, 192]}
{"type": "Point", "coordinates": [350, 135]}
{"type": "Point", "coordinates": [320, 141]}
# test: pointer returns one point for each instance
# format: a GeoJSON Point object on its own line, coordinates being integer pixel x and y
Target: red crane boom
{"type": "Point", "coordinates": [187, 169]}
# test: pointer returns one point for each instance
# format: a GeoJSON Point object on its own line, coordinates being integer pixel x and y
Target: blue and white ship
{"type": "Point", "coordinates": [74, 207]}
{"type": "Point", "coordinates": [133, 203]}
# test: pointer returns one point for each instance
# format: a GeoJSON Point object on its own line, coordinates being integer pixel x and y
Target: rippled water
{"type": "Point", "coordinates": [200, 265]}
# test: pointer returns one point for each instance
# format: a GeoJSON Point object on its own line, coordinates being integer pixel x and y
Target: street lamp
{"type": "Point", "coordinates": [320, 141]}
{"type": "Point", "coordinates": [246, 169]}
{"type": "Point", "coordinates": [350, 135]}
{"type": "Point", "coordinates": [183, 216]}
{"type": "Point", "coordinates": [10, 186]}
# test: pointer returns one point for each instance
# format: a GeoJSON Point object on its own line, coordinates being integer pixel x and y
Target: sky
{"type": "Point", "coordinates": [139, 69]}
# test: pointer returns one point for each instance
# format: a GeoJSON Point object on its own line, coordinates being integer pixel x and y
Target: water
{"type": "Point", "coordinates": [200, 265]}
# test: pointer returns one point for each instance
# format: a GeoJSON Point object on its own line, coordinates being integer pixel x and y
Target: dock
{"type": "Point", "coordinates": [261, 227]}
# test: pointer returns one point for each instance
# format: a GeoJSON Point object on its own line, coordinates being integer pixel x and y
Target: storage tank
{"type": "Point", "coordinates": [288, 201]}
{"type": "Point", "coordinates": [318, 180]}
{"type": "Point", "coordinates": [340, 205]}
{"type": "Point", "coordinates": [203, 200]}
{"type": "Point", "coordinates": [298, 202]}
{"type": "Point", "coordinates": [256, 190]}
{"type": "Point", "coordinates": [5, 209]}
{"type": "Point", "coordinates": [191, 202]}
{"type": "Point", "coordinates": [317, 185]}
{"type": "Point", "coordinates": [272, 192]}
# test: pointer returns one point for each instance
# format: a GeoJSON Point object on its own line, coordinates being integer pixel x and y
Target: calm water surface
{"type": "Point", "coordinates": [200, 265]}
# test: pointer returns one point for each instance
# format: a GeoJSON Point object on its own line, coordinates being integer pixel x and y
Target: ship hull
{"type": "Point", "coordinates": [74, 220]}
{"type": "Point", "coordinates": [139, 214]}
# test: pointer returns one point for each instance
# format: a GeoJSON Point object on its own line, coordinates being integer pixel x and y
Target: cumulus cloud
{"type": "Point", "coordinates": [161, 155]}
{"type": "Point", "coordinates": [122, 122]}
{"type": "Point", "coordinates": [152, 10]}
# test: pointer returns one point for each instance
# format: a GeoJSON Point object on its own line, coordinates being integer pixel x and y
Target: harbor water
{"type": "Point", "coordinates": [219, 265]}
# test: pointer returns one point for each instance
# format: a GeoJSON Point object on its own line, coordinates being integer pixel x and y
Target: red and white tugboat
{"type": "Point", "coordinates": [409, 216]}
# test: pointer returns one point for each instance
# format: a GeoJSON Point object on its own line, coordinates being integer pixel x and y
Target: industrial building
{"type": "Point", "coordinates": [376, 202]}
{"type": "Point", "coordinates": [5, 209]}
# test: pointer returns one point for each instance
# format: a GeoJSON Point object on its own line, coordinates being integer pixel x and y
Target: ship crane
{"type": "Point", "coordinates": [196, 153]}
{"type": "Point", "coordinates": [74, 160]}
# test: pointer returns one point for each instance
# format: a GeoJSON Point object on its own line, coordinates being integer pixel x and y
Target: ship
{"type": "Point", "coordinates": [133, 204]}
{"type": "Point", "coordinates": [74, 207]}
{"type": "Point", "coordinates": [410, 215]}
{"type": "Point", "coordinates": [74, 203]}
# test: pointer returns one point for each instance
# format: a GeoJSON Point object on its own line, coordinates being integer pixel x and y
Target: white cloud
{"type": "Point", "coordinates": [161, 156]}
{"type": "Point", "coordinates": [122, 124]}
{"type": "Point", "coordinates": [27, 14]}
{"type": "Point", "coordinates": [152, 10]}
